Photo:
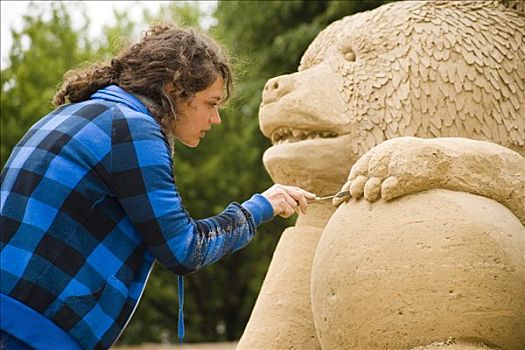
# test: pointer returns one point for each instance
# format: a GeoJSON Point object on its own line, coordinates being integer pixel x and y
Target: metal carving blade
{"type": "Point", "coordinates": [337, 195]}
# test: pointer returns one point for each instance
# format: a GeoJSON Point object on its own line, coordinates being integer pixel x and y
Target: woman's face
{"type": "Point", "coordinates": [196, 116]}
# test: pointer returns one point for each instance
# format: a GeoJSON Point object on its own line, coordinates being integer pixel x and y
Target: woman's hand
{"type": "Point", "coordinates": [285, 199]}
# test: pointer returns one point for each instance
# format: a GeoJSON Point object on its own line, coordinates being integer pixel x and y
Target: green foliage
{"type": "Point", "coordinates": [185, 14]}
{"type": "Point", "coordinates": [115, 37]}
{"type": "Point", "coordinates": [30, 81]}
{"type": "Point", "coordinates": [266, 38]}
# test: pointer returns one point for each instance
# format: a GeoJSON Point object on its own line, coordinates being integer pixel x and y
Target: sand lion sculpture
{"type": "Point", "coordinates": [418, 109]}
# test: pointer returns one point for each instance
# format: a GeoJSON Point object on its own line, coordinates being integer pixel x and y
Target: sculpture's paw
{"type": "Point", "coordinates": [372, 176]}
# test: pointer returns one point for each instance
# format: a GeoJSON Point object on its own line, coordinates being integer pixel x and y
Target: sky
{"type": "Point", "coordinates": [100, 12]}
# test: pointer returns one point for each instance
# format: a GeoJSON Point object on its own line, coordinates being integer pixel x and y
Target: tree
{"type": "Point", "coordinates": [29, 82]}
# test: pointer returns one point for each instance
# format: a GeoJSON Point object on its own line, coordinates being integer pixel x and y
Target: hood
{"type": "Point", "coordinates": [114, 93]}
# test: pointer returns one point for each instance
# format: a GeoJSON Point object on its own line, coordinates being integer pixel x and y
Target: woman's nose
{"type": "Point", "coordinates": [215, 117]}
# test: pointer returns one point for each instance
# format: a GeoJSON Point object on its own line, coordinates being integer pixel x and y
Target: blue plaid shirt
{"type": "Point", "coordinates": [88, 203]}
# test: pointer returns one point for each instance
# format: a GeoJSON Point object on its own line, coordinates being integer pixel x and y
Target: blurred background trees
{"type": "Point", "coordinates": [265, 38]}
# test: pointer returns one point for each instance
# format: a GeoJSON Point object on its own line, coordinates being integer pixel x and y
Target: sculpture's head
{"type": "Point", "coordinates": [425, 69]}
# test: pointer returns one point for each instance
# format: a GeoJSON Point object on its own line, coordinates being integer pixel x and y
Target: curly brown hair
{"type": "Point", "coordinates": [185, 57]}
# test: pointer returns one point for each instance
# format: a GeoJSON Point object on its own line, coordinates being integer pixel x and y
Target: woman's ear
{"type": "Point", "coordinates": [169, 88]}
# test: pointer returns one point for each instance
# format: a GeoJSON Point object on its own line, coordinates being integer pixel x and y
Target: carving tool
{"type": "Point", "coordinates": [337, 195]}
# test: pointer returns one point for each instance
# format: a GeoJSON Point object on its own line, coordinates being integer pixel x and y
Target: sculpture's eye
{"type": "Point", "coordinates": [348, 54]}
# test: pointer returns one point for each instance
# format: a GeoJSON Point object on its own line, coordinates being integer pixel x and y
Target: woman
{"type": "Point", "coordinates": [89, 199]}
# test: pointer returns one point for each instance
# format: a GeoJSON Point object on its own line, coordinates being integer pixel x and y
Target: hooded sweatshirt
{"type": "Point", "coordinates": [88, 204]}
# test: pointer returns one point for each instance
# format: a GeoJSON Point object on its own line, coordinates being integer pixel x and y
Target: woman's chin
{"type": "Point", "coordinates": [190, 143]}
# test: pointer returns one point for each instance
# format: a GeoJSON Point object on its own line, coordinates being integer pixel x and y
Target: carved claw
{"type": "Point", "coordinates": [391, 188]}
{"type": "Point", "coordinates": [373, 189]}
{"type": "Point", "coordinates": [357, 186]}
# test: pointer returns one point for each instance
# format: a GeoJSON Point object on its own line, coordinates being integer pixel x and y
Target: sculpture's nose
{"type": "Point", "coordinates": [277, 87]}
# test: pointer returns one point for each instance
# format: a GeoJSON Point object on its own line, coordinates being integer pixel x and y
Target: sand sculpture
{"type": "Point", "coordinates": [425, 103]}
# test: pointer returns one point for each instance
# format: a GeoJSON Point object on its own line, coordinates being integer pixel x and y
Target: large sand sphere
{"type": "Point", "coordinates": [437, 266]}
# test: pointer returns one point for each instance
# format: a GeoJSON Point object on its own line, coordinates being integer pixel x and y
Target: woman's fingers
{"type": "Point", "coordinates": [301, 197]}
{"type": "Point", "coordinates": [290, 200]}
{"type": "Point", "coordinates": [287, 212]}
{"type": "Point", "coordinates": [286, 204]}
{"type": "Point", "coordinates": [285, 199]}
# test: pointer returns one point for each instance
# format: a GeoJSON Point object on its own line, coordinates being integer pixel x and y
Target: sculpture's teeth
{"type": "Point", "coordinates": [287, 135]}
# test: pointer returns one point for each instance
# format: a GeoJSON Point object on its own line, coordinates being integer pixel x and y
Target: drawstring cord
{"type": "Point", "coordinates": [181, 307]}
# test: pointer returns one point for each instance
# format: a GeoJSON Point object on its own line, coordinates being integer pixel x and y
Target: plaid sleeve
{"type": "Point", "coordinates": [142, 180]}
